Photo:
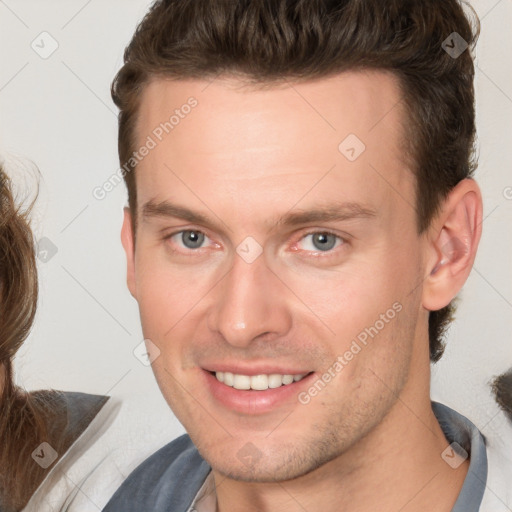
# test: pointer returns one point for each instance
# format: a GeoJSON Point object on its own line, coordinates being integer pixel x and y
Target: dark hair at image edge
{"type": "Point", "coordinates": [502, 389]}
{"type": "Point", "coordinates": [273, 41]}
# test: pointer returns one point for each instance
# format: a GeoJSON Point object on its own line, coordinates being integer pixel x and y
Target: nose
{"type": "Point", "coordinates": [250, 302]}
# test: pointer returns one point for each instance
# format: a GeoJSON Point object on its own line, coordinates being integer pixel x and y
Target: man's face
{"type": "Point", "coordinates": [242, 292]}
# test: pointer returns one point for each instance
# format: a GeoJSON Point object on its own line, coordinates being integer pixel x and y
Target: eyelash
{"type": "Point", "coordinates": [317, 254]}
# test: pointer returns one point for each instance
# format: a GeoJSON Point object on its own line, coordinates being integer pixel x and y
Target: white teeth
{"type": "Point", "coordinates": [257, 382]}
{"type": "Point", "coordinates": [287, 379]}
{"type": "Point", "coordinates": [242, 382]}
{"type": "Point", "coordinates": [275, 380]}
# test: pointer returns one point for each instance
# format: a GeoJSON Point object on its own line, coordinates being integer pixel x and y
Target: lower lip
{"type": "Point", "coordinates": [251, 401]}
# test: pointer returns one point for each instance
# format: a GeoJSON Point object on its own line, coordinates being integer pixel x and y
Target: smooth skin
{"type": "Point", "coordinates": [244, 157]}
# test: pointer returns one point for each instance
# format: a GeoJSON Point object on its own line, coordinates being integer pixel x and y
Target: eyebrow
{"type": "Point", "coordinates": [331, 212]}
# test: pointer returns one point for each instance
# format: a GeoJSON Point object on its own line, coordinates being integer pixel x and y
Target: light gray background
{"type": "Point", "coordinates": [57, 112]}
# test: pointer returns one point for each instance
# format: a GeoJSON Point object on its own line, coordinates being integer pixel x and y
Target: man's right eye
{"type": "Point", "coordinates": [187, 239]}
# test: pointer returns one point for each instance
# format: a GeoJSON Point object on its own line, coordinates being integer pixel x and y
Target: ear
{"type": "Point", "coordinates": [127, 239]}
{"type": "Point", "coordinates": [452, 243]}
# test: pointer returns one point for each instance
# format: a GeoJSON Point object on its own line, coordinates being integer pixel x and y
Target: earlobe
{"type": "Point", "coordinates": [127, 239]}
{"type": "Point", "coordinates": [454, 240]}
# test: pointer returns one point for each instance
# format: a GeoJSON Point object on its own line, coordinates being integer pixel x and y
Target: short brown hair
{"type": "Point", "coordinates": [266, 41]}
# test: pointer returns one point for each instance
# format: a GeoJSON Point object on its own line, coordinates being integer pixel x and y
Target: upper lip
{"type": "Point", "coordinates": [255, 369]}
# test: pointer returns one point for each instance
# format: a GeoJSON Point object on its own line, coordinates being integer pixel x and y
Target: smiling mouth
{"type": "Point", "coordinates": [257, 382]}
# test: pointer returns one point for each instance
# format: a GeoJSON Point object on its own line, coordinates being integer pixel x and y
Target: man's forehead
{"type": "Point", "coordinates": [242, 143]}
{"type": "Point", "coordinates": [361, 98]}
{"type": "Point", "coordinates": [304, 121]}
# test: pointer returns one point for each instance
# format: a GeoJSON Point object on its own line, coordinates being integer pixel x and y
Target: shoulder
{"type": "Point", "coordinates": [169, 478]}
{"type": "Point", "coordinates": [78, 420]}
{"type": "Point", "coordinates": [70, 416]}
{"type": "Point", "coordinates": [490, 470]}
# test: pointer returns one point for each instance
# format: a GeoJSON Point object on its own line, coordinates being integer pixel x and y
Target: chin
{"type": "Point", "coordinates": [273, 464]}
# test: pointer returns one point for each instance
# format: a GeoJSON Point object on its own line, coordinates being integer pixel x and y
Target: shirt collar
{"type": "Point", "coordinates": [458, 429]}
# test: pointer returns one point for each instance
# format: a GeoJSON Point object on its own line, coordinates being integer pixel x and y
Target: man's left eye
{"type": "Point", "coordinates": [321, 241]}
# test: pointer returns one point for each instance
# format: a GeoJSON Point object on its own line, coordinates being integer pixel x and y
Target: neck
{"type": "Point", "coordinates": [398, 466]}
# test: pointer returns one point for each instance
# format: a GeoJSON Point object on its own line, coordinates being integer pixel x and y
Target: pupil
{"type": "Point", "coordinates": [192, 239]}
{"type": "Point", "coordinates": [323, 240]}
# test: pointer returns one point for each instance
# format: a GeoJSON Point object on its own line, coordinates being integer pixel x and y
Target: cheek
{"type": "Point", "coordinates": [159, 303]}
{"type": "Point", "coordinates": [165, 293]}
{"type": "Point", "coordinates": [364, 304]}
{"type": "Point", "coordinates": [353, 298]}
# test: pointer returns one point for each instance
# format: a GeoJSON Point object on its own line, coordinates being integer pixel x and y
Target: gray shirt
{"type": "Point", "coordinates": [177, 479]}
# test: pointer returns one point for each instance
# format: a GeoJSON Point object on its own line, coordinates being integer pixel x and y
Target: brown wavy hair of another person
{"type": "Point", "coordinates": [24, 417]}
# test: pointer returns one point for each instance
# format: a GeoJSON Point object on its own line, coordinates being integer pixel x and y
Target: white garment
{"type": "Point", "coordinates": [85, 476]}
